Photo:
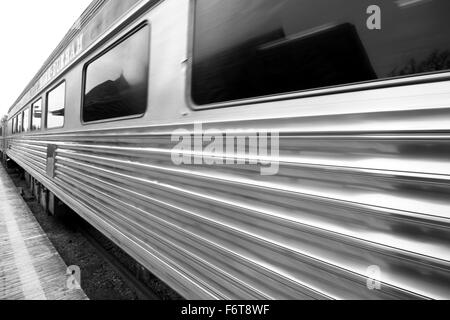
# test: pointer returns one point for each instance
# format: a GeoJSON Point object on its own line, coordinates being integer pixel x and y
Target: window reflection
{"type": "Point", "coordinates": [256, 48]}
{"type": "Point", "coordinates": [19, 123]}
{"type": "Point", "coordinates": [26, 120]}
{"type": "Point", "coordinates": [116, 83]}
{"type": "Point", "coordinates": [36, 117]}
{"type": "Point", "coordinates": [56, 106]}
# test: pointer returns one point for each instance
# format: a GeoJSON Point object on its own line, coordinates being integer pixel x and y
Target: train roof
{"type": "Point", "coordinates": [95, 21]}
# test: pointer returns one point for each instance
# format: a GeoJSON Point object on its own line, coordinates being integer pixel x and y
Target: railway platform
{"type": "Point", "coordinates": [30, 266]}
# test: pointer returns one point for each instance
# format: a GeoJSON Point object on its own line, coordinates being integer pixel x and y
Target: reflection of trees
{"type": "Point", "coordinates": [273, 63]}
{"type": "Point", "coordinates": [436, 61]}
{"type": "Point", "coordinates": [106, 100]}
{"type": "Point", "coordinates": [115, 99]}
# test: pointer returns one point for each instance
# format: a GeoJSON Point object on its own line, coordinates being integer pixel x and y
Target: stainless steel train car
{"type": "Point", "coordinates": [354, 98]}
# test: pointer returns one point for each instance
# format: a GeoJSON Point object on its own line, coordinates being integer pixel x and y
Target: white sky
{"type": "Point", "coordinates": [29, 32]}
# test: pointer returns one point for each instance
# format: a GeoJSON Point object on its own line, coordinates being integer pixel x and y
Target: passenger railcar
{"type": "Point", "coordinates": [359, 205]}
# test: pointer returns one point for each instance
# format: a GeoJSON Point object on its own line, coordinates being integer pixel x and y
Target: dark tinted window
{"type": "Point", "coordinates": [56, 102]}
{"type": "Point", "coordinates": [117, 81]}
{"type": "Point", "coordinates": [26, 120]}
{"type": "Point", "coordinates": [36, 115]}
{"type": "Point", "coordinates": [252, 48]}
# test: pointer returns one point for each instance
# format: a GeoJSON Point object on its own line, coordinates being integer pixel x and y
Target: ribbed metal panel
{"type": "Point", "coordinates": [342, 201]}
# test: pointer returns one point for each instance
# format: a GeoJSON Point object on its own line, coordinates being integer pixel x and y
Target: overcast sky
{"type": "Point", "coordinates": [29, 31]}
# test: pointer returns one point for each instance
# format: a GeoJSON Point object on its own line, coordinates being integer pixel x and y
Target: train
{"type": "Point", "coordinates": [129, 121]}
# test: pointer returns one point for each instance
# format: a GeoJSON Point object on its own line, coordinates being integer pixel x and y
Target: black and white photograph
{"type": "Point", "coordinates": [224, 156]}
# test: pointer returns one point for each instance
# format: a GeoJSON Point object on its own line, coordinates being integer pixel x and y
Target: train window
{"type": "Point", "coordinates": [26, 120]}
{"type": "Point", "coordinates": [36, 115]}
{"type": "Point", "coordinates": [13, 125]}
{"type": "Point", "coordinates": [254, 48]}
{"type": "Point", "coordinates": [56, 102]}
{"type": "Point", "coordinates": [19, 123]}
{"type": "Point", "coordinates": [116, 83]}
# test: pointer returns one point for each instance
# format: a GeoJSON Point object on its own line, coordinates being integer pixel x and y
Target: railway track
{"type": "Point", "coordinates": [143, 292]}
{"type": "Point", "coordinates": [69, 234]}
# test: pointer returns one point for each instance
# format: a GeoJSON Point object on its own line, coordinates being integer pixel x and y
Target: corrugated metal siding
{"type": "Point", "coordinates": [342, 201]}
